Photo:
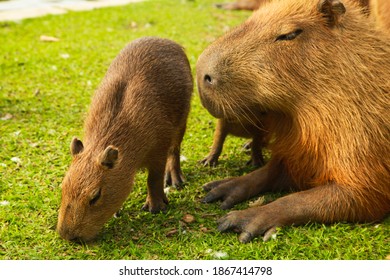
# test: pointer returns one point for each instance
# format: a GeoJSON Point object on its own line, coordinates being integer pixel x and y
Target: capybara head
{"type": "Point", "coordinates": [89, 193]}
{"type": "Point", "coordinates": [273, 60]}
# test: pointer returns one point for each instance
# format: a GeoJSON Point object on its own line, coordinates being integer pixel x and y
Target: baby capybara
{"type": "Point", "coordinates": [137, 119]}
{"type": "Point", "coordinates": [321, 71]}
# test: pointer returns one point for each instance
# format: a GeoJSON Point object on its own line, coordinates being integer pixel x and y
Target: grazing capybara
{"type": "Point", "coordinates": [322, 73]}
{"type": "Point", "coordinates": [137, 119]}
{"type": "Point", "coordinates": [254, 130]}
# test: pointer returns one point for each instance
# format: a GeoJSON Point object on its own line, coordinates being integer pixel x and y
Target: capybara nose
{"type": "Point", "coordinates": [208, 80]}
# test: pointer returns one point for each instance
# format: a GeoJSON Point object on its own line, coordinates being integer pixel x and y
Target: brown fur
{"type": "Point", "coordinates": [380, 13]}
{"type": "Point", "coordinates": [137, 119]}
{"type": "Point", "coordinates": [322, 73]}
{"type": "Point", "coordinates": [256, 131]}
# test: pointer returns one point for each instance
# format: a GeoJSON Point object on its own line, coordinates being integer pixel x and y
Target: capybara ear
{"type": "Point", "coordinates": [76, 146]}
{"type": "Point", "coordinates": [109, 157]}
{"type": "Point", "coordinates": [332, 11]}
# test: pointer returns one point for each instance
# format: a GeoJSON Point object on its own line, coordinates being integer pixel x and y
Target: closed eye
{"type": "Point", "coordinates": [289, 36]}
{"type": "Point", "coordinates": [95, 198]}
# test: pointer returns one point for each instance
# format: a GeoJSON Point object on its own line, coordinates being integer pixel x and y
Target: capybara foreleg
{"type": "Point", "coordinates": [257, 158]}
{"type": "Point", "coordinates": [271, 177]}
{"type": "Point", "coordinates": [156, 201]}
{"type": "Point", "coordinates": [235, 190]}
{"type": "Point", "coordinates": [323, 204]}
{"type": "Point", "coordinates": [221, 131]}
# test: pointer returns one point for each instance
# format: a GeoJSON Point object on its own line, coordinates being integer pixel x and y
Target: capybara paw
{"type": "Point", "coordinates": [155, 207]}
{"type": "Point", "coordinates": [209, 161]}
{"type": "Point", "coordinates": [249, 223]}
{"type": "Point", "coordinates": [174, 179]}
{"type": "Point", "coordinates": [229, 191]}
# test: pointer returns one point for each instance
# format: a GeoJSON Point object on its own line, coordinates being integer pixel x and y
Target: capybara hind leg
{"type": "Point", "coordinates": [173, 173]}
{"type": "Point", "coordinates": [324, 204]}
{"type": "Point", "coordinates": [156, 201]}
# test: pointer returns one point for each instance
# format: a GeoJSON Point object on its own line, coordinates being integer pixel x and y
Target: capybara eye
{"type": "Point", "coordinates": [95, 198]}
{"type": "Point", "coordinates": [289, 36]}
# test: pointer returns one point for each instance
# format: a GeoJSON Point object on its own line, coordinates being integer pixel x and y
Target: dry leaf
{"type": "Point", "coordinates": [171, 232]}
{"type": "Point", "coordinates": [188, 218]}
{"type": "Point", "coordinates": [7, 117]}
{"type": "Point", "coordinates": [45, 38]}
{"type": "Point", "coordinates": [204, 229]}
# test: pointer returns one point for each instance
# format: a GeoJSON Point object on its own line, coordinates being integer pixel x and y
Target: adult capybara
{"type": "Point", "coordinates": [322, 73]}
{"type": "Point", "coordinates": [254, 130]}
{"type": "Point", "coordinates": [137, 119]}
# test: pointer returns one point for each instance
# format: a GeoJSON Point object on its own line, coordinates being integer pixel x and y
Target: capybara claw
{"type": "Point", "coordinates": [209, 161]}
{"type": "Point", "coordinates": [245, 237]}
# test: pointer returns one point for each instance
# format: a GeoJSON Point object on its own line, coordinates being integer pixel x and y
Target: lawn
{"type": "Point", "coordinates": [45, 91]}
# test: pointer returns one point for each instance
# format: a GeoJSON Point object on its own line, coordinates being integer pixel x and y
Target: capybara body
{"type": "Point", "coordinates": [137, 119]}
{"type": "Point", "coordinates": [254, 130]}
{"type": "Point", "coordinates": [321, 72]}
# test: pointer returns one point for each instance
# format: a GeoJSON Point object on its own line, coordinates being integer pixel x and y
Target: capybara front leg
{"type": "Point", "coordinates": [257, 158]}
{"type": "Point", "coordinates": [156, 200]}
{"type": "Point", "coordinates": [323, 204]}
{"type": "Point", "coordinates": [235, 190]}
{"type": "Point", "coordinates": [221, 131]}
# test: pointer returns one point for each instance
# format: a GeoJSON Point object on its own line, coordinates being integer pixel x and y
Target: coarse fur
{"type": "Point", "coordinates": [380, 13]}
{"type": "Point", "coordinates": [137, 119]}
{"type": "Point", "coordinates": [321, 72]}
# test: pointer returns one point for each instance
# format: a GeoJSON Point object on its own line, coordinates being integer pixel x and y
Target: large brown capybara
{"type": "Point", "coordinates": [255, 130]}
{"type": "Point", "coordinates": [322, 73]}
{"type": "Point", "coordinates": [137, 119]}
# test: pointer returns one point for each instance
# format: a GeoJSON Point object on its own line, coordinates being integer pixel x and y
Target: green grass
{"type": "Point", "coordinates": [45, 90]}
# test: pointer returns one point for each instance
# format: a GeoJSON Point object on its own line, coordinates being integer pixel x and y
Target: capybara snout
{"type": "Point", "coordinates": [137, 119]}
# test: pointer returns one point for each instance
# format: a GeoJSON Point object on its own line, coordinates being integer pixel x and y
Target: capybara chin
{"type": "Point", "coordinates": [137, 119]}
{"type": "Point", "coordinates": [321, 71]}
